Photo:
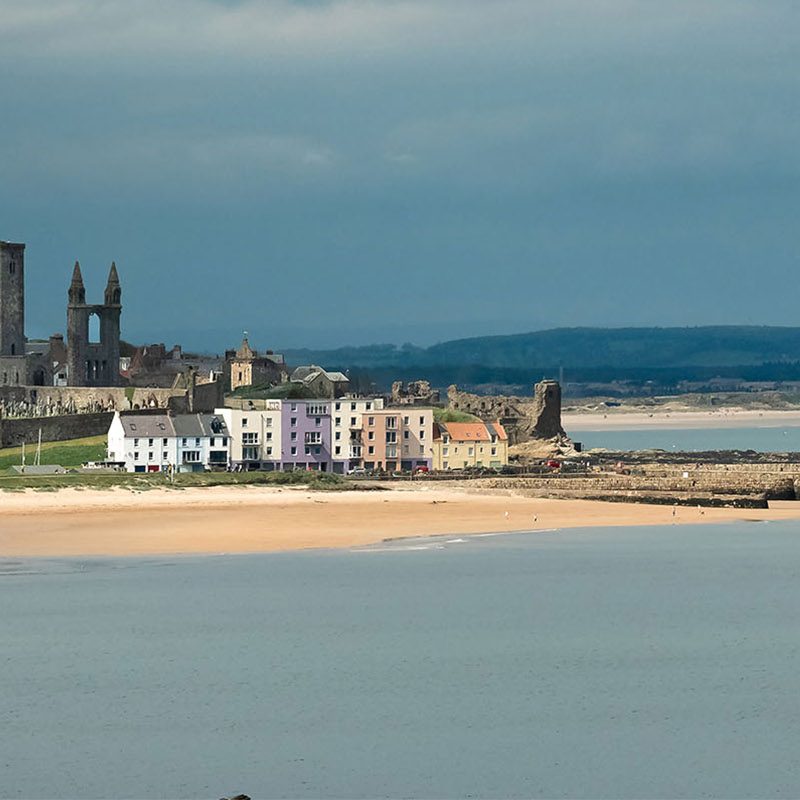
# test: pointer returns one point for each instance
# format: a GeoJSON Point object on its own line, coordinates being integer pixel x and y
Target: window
{"type": "Point", "coordinates": [150, 442]}
{"type": "Point", "coordinates": [294, 436]}
{"type": "Point", "coordinates": [371, 421]}
{"type": "Point", "coordinates": [391, 422]}
{"type": "Point", "coordinates": [405, 449]}
{"type": "Point", "coordinates": [269, 422]}
{"type": "Point", "coordinates": [337, 435]}
{"type": "Point", "coordinates": [445, 465]}
{"type": "Point", "coordinates": [445, 451]}
{"type": "Point", "coordinates": [338, 406]}
{"type": "Point", "coordinates": [337, 421]}
{"type": "Point", "coordinates": [269, 436]}
{"type": "Point", "coordinates": [391, 437]}
{"type": "Point", "coordinates": [135, 442]}
{"type": "Point", "coordinates": [406, 420]}
{"type": "Point", "coordinates": [422, 449]}
{"type": "Point", "coordinates": [183, 442]}
{"type": "Point", "coordinates": [294, 406]}
{"type": "Point", "coordinates": [224, 441]}
{"type": "Point", "coordinates": [368, 406]}
{"type": "Point", "coordinates": [421, 435]}
{"type": "Point", "coordinates": [353, 422]}
{"type": "Point", "coordinates": [244, 422]}
{"type": "Point", "coordinates": [371, 435]}
{"type": "Point", "coordinates": [197, 441]}
{"type": "Point", "coordinates": [293, 422]}
{"type": "Point", "coordinates": [269, 451]}
{"type": "Point", "coordinates": [470, 451]}
{"type": "Point", "coordinates": [405, 434]}
{"type": "Point", "coordinates": [317, 450]}
{"type": "Point", "coordinates": [294, 451]}
{"type": "Point", "coordinates": [150, 456]}
{"type": "Point", "coordinates": [422, 420]}
{"type": "Point", "coordinates": [494, 451]}
{"type": "Point", "coordinates": [213, 442]}
{"type": "Point", "coordinates": [136, 456]}
{"type": "Point", "coordinates": [317, 421]}
{"type": "Point", "coordinates": [370, 449]}
{"type": "Point", "coordinates": [164, 442]}
{"type": "Point", "coordinates": [191, 456]}
{"type": "Point", "coordinates": [337, 450]}
{"type": "Point", "coordinates": [352, 406]}
{"type": "Point", "coordinates": [308, 451]}
{"type": "Point", "coordinates": [251, 437]}
{"type": "Point", "coordinates": [315, 437]}
{"type": "Point", "coordinates": [165, 456]}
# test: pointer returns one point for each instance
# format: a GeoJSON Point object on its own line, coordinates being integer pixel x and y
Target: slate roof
{"type": "Point", "coordinates": [156, 426]}
{"type": "Point", "coordinates": [147, 425]}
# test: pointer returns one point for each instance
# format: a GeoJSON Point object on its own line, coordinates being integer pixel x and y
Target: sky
{"type": "Point", "coordinates": [334, 172]}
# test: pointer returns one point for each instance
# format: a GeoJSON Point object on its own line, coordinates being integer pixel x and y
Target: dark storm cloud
{"type": "Point", "coordinates": [332, 171]}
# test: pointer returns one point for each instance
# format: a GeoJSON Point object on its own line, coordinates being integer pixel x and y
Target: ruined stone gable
{"type": "Point", "coordinates": [524, 418]}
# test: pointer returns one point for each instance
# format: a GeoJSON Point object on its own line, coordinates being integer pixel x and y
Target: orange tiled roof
{"type": "Point", "coordinates": [473, 431]}
{"type": "Point", "coordinates": [467, 431]}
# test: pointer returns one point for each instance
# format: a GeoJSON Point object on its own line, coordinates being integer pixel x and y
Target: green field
{"type": "Point", "coordinates": [71, 453]}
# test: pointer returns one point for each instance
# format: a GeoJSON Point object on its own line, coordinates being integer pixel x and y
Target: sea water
{"type": "Point", "coordinates": [652, 662]}
{"type": "Point", "coordinates": [762, 439]}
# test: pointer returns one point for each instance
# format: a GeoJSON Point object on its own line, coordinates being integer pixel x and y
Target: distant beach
{"type": "Point", "coordinates": [621, 419]}
{"type": "Point", "coordinates": [240, 520]}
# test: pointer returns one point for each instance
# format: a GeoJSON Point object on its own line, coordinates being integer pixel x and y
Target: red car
{"type": "Point", "coordinates": [553, 464]}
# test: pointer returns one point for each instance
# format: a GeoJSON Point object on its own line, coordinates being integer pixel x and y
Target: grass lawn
{"type": "Point", "coordinates": [71, 453]}
{"type": "Point", "coordinates": [451, 415]}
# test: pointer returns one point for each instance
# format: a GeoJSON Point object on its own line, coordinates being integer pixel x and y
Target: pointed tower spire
{"type": "Point", "coordinates": [113, 290]}
{"type": "Point", "coordinates": [77, 293]}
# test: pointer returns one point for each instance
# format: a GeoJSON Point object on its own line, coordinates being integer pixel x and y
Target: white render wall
{"type": "Point", "coordinates": [343, 412]}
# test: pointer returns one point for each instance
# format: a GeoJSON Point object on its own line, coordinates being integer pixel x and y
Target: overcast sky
{"type": "Point", "coordinates": [327, 172]}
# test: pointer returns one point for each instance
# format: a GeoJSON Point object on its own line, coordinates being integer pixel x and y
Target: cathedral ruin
{"type": "Point", "coordinates": [30, 363]}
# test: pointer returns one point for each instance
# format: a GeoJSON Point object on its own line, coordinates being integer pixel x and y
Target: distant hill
{"type": "Point", "coordinates": [580, 348]}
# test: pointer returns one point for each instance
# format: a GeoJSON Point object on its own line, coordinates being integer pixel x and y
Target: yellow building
{"type": "Point", "coordinates": [457, 445]}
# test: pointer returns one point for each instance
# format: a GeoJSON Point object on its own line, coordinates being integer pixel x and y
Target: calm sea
{"type": "Point", "coordinates": [635, 663]}
{"type": "Point", "coordinates": [768, 440]}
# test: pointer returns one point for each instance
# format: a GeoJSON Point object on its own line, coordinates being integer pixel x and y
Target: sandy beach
{"type": "Point", "coordinates": [237, 520]}
{"type": "Point", "coordinates": [622, 419]}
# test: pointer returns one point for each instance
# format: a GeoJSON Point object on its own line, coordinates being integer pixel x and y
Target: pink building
{"type": "Point", "coordinates": [398, 438]}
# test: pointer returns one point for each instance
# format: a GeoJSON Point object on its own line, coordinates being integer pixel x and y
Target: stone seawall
{"type": "Point", "coordinates": [770, 486]}
{"type": "Point", "coordinates": [13, 432]}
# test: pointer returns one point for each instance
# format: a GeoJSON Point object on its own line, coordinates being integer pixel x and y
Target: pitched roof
{"type": "Point", "coordinates": [147, 425]}
{"type": "Point", "coordinates": [473, 431]}
{"type": "Point", "coordinates": [199, 425]}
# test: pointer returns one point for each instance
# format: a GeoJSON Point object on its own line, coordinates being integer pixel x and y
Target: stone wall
{"type": "Point", "coordinates": [13, 432]}
{"type": "Point", "coordinates": [524, 418]}
{"type": "Point", "coordinates": [48, 401]}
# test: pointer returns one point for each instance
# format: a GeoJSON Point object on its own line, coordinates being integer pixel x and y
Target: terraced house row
{"type": "Point", "coordinates": [337, 435]}
{"type": "Point", "coordinates": [331, 435]}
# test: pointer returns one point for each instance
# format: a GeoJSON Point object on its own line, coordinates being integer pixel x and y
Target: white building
{"type": "Point", "coordinates": [154, 442]}
{"type": "Point", "coordinates": [255, 435]}
{"type": "Point", "coordinates": [347, 415]}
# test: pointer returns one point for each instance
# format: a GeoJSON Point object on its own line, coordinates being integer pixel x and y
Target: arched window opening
{"type": "Point", "coordinates": [94, 329]}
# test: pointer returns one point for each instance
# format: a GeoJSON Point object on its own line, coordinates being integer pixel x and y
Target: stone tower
{"type": "Point", "coordinates": [12, 299]}
{"type": "Point", "coordinates": [93, 363]}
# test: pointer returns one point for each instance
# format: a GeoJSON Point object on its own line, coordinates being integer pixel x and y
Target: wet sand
{"type": "Point", "coordinates": [238, 520]}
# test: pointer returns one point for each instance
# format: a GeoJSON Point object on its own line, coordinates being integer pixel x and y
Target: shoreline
{"type": "Point", "coordinates": [118, 523]}
{"type": "Point", "coordinates": [621, 420]}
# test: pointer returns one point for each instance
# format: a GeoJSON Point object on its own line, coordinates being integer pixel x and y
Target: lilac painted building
{"type": "Point", "coordinates": [306, 435]}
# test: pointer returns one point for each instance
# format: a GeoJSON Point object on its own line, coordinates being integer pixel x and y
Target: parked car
{"type": "Point", "coordinates": [421, 469]}
{"type": "Point", "coordinates": [553, 464]}
{"type": "Point", "coordinates": [357, 471]}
